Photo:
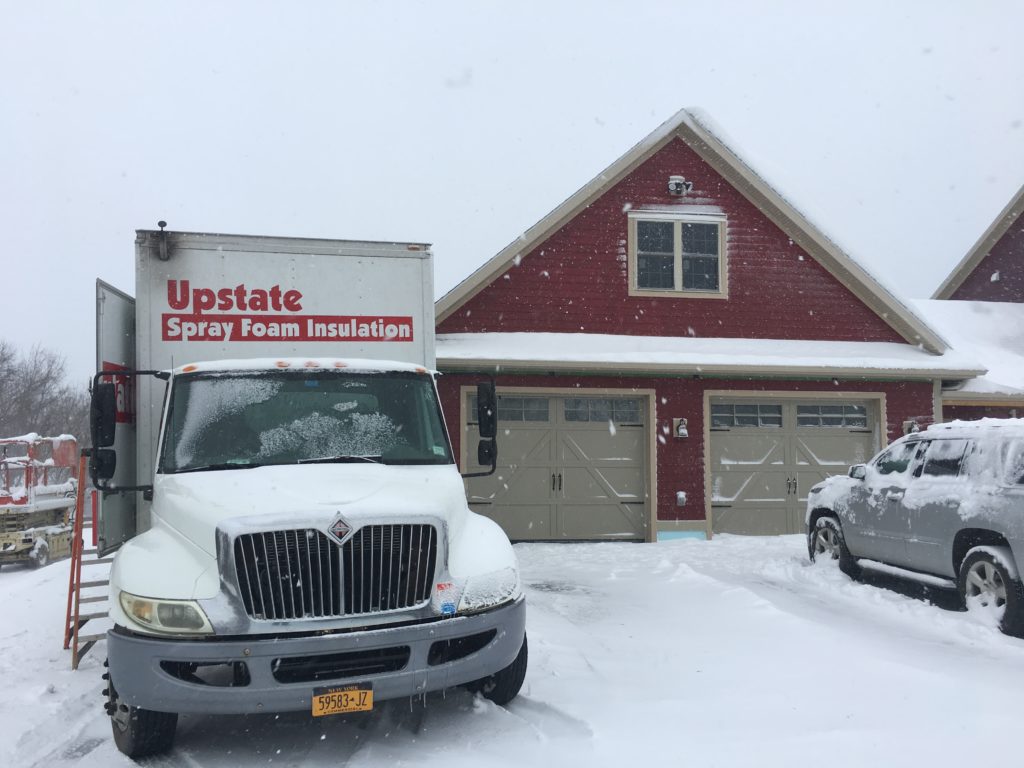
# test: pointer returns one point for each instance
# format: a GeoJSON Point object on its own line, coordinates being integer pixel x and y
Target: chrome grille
{"type": "Point", "coordinates": [303, 573]}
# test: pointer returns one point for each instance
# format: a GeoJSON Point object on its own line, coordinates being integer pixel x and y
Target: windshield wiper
{"type": "Point", "coordinates": [341, 460]}
{"type": "Point", "coordinates": [222, 465]}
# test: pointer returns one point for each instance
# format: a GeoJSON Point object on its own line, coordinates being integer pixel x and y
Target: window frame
{"type": "Point", "coordinates": [677, 219]}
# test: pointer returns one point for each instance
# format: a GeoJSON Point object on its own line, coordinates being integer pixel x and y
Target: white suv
{"type": "Point", "coordinates": [947, 502]}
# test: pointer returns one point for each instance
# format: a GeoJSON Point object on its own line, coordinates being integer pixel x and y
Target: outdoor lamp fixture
{"type": "Point", "coordinates": [679, 428]}
{"type": "Point", "coordinates": [679, 186]}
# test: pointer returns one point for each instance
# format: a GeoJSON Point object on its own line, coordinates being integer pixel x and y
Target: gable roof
{"type": "Point", "coordinates": [981, 249]}
{"type": "Point", "coordinates": [696, 132]}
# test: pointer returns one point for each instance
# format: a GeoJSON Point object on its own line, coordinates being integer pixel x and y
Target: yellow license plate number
{"type": "Point", "coordinates": [348, 698]}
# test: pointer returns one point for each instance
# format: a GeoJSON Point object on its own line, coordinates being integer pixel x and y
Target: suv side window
{"type": "Point", "coordinates": [1015, 463]}
{"type": "Point", "coordinates": [943, 458]}
{"type": "Point", "coordinates": [896, 460]}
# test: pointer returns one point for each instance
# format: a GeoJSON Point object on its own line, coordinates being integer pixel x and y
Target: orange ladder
{"type": "Point", "coordinates": [75, 619]}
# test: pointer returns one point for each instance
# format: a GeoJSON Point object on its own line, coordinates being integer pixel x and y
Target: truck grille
{"type": "Point", "coordinates": [304, 574]}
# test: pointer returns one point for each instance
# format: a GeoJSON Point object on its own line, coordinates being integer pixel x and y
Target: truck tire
{"type": "Point", "coordinates": [504, 685]}
{"type": "Point", "coordinates": [40, 555]}
{"type": "Point", "coordinates": [139, 732]}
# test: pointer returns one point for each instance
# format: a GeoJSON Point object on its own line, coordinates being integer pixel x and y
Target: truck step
{"type": "Point", "coordinates": [96, 562]}
{"type": "Point", "coordinates": [84, 617]}
{"type": "Point", "coordinates": [94, 599]}
{"type": "Point", "coordinates": [100, 583]}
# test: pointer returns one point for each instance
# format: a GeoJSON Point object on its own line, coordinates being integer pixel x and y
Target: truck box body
{"type": "Point", "coordinates": [275, 402]}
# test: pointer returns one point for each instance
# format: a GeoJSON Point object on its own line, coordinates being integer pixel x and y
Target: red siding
{"type": "Point", "coordinates": [1000, 275]}
{"type": "Point", "coordinates": [972, 412]}
{"type": "Point", "coordinates": [576, 281]}
{"type": "Point", "coordinates": [681, 462]}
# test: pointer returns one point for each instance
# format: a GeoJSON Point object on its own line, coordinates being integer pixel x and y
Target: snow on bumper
{"type": "Point", "coordinates": [148, 672]}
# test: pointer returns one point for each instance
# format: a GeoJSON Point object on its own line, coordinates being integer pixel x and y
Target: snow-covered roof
{"type": "Point", "coordinates": [300, 363]}
{"type": "Point", "coordinates": [697, 130]}
{"type": "Point", "coordinates": [980, 249]}
{"type": "Point", "coordinates": [990, 331]}
{"type": "Point", "coordinates": [957, 428]}
{"type": "Point", "coordinates": [688, 355]}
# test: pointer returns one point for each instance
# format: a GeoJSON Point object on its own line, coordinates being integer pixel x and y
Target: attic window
{"type": "Point", "coordinates": [678, 255]}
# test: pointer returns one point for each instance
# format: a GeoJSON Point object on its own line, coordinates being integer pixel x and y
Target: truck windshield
{"type": "Point", "coordinates": [238, 420]}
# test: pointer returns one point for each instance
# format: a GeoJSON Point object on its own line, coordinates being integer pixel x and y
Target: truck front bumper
{"type": "Point", "coordinates": [279, 673]}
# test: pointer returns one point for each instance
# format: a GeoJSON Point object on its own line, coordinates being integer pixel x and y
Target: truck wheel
{"type": "Point", "coordinates": [40, 554]}
{"type": "Point", "coordinates": [986, 585]}
{"type": "Point", "coordinates": [139, 732]}
{"type": "Point", "coordinates": [503, 686]}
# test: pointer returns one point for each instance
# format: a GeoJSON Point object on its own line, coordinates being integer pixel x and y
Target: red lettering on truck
{"type": "Point", "coordinates": [181, 296]}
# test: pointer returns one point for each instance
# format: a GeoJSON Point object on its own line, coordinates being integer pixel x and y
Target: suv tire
{"type": "Point", "coordinates": [985, 582]}
{"type": "Point", "coordinates": [825, 539]}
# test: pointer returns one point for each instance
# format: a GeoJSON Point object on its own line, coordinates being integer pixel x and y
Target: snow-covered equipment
{"type": "Point", "coordinates": [291, 528]}
{"type": "Point", "coordinates": [38, 478]}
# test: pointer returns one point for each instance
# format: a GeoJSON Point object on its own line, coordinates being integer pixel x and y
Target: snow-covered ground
{"type": "Point", "coordinates": [734, 652]}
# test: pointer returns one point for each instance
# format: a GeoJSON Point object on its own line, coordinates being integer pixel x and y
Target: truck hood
{"type": "Point", "coordinates": [311, 495]}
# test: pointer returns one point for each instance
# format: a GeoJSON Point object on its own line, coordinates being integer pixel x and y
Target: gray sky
{"type": "Point", "coordinates": [898, 126]}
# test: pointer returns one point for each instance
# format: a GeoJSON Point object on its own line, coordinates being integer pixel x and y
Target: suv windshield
{"type": "Point", "coordinates": [247, 419]}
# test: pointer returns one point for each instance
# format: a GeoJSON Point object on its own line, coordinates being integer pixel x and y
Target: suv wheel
{"type": "Point", "coordinates": [826, 540]}
{"type": "Point", "coordinates": [988, 587]}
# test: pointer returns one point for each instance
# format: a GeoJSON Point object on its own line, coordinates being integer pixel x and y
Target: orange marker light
{"type": "Point", "coordinates": [190, 368]}
{"type": "Point", "coordinates": [283, 364]}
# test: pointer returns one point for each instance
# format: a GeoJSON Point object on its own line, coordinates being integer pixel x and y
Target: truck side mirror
{"type": "Point", "coordinates": [858, 471]}
{"type": "Point", "coordinates": [487, 411]}
{"type": "Point", "coordinates": [102, 463]}
{"type": "Point", "coordinates": [103, 415]}
{"type": "Point", "coordinates": [486, 453]}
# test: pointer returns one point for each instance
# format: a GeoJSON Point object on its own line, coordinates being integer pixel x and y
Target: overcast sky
{"type": "Point", "coordinates": [897, 125]}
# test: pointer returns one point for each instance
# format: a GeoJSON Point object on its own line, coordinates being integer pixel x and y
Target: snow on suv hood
{"type": "Point", "coordinates": [271, 497]}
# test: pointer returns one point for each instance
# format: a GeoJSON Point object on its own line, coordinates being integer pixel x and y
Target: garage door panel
{"type": "Point", "coordinates": [521, 522]}
{"type": "Point", "coordinates": [835, 452]}
{"type": "Point", "coordinates": [752, 522]}
{"type": "Point", "coordinates": [601, 521]}
{"type": "Point", "coordinates": [589, 446]}
{"type": "Point", "coordinates": [592, 483]}
{"type": "Point", "coordinates": [746, 449]}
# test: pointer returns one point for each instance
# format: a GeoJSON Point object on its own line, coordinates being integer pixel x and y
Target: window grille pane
{"type": "Point", "coordinates": [700, 239]}
{"type": "Point", "coordinates": [700, 273]}
{"type": "Point", "coordinates": [654, 237]}
{"type": "Point", "coordinates": [771, 421]}
{"type": "Point", "coordinates": [535, 409]}
{"type": "Point", "coordinates": [626, 411]}
{"type": "Point", "coordinates": [656, 272]}
{"type": "Point", "coordinates": [722, 415]}
{"type": "Point", "coordinates": [808, 421]}
{"type": "Point", "coordinates": [746, 421]}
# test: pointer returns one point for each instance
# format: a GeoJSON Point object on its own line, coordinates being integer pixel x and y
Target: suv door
{"type": "Point", "coordinates": [871, 520]}
{"type": "Point", "coordinates": [930, 511]}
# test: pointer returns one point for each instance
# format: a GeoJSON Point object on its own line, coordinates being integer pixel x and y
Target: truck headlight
{"type": "Point", "coordinates": [489, 589]}
{"type": "Point", "coordinates": [179, 617]}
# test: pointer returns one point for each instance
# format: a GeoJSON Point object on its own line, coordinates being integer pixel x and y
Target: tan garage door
{"type": "Point", "coordinates": [766, 454]}
{"type": "Point", "coordinates": [568, 467]}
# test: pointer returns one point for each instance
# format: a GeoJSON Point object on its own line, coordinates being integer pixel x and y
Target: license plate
{"type": "Point", "coordinates": [346, 698]}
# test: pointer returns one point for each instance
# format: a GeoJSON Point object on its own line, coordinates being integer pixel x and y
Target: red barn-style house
{"type": "Point", "coordinates": [979, 308]}
{"type": "Point", "coordinates": [678, 351]}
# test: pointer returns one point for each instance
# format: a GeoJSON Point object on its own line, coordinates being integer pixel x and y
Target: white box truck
{"type": "Point", "coordinates": [291, 530]}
